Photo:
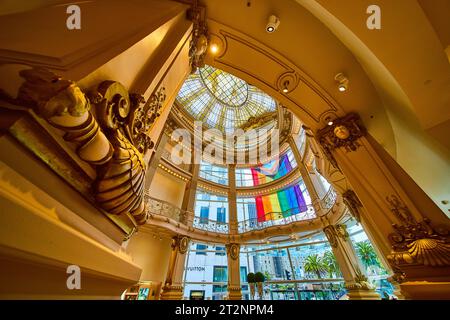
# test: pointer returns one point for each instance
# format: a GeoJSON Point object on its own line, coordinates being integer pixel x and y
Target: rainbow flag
{"type": "Point", "coordinates": [278, 205]}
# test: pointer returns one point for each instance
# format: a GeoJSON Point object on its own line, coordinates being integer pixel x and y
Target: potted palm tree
{"type": "Point", "coordinates": [251, 283]}
{"type": "Point", "coordinates": [259, 279]}
{"type": "Point", "coordinates": [314, 265]}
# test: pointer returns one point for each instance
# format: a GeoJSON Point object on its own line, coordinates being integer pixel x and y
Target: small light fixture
{"type": "Point", "coordinates": [214, 48]}
{"type": "Point", "coordinates": [329, 121]}
{"type": "Point", "coordinates": [272, 24]}
{"type": "Point", "coordinates": [285, 86]}
{"type": "Point", "coordinates": [342, 81]}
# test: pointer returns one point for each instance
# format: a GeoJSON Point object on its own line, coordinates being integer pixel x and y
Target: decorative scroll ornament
{"type": "Point", "coordinates": [119, 186]}
{"type": "Point", "coordinates": [65, 107]}
{"type": "Point", "coordinates": [353, 204]}
{"type": "Point", "coordinates": [344, 133]}
{"type": "Point", "coordinates": [199, 43]}
{"type": "Point", "coordinates": [417, 242]}
{"type": "Point", "coordinates": [112, 136]}
{"type": "Point", "coordinates": [233, 250]}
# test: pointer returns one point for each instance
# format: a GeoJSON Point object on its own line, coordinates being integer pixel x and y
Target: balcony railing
{"type": "Point", "coordinates": [277, 219]}
{"type": "Point", "coordinates": [210, 225]}
{"type": "Point", "coordinates": [163, 208]}
{"type": "Point", "coordinates": [166, 154]}
{"type": "Point", "coordinates": [327, 202]}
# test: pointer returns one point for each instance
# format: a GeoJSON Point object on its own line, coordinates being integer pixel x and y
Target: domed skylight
{"type": "Point", "coordinates": [222, 100]}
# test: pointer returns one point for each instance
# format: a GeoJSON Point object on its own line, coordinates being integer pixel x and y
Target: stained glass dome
{"type": "Point", "coordinates": [221, 100]}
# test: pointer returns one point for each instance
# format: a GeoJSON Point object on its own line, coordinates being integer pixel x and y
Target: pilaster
{"type": "Point", "coordinates": [356, 280]}
{"type": "Point", "coordinates": [234, 277]}
{"type": "Point", "coordinates": [410, 230]}
{"type": "Point", "coordinates": [173, 287]}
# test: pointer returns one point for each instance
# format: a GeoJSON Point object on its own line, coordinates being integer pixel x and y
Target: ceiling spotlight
{"type": "Point", "coordinates": [342, 81]}
{"type": "Point", "coordinates": [272, 24]}
{"type": "Point", "coordinates": [285, 86]}
{"type": "Point", "coordinates": [329, 121]}
{"type": "Point", "coordinates": [214, 48]}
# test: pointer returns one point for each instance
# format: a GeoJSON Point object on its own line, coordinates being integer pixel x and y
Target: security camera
{"type": "Point", "coordinates": [272, 24]}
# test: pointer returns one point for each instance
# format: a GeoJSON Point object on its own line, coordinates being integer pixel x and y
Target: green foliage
{"type": "Point", "coordinates": [314, 264]}
{"type": "Point", "coordinates": [267, 275]}
{"type": "Point", "coordinates": [367, 254]}
{"type": "Point", "coordinates": [259, 277]}
{"type": "Point", "coordinates": [251, 277]}
{"type": "Point", "coordinates": [332, 266]}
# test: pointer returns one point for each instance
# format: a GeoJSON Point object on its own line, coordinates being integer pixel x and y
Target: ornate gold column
{"type": "Point", "coordinates": [232, 206]}
{"type": "Point", "coordinates": [356, 280]}
{"type": "Point", "coordinates": [173, 286]}
{"type": "Point", "coordinates": [234, 276]}
{"type": "Point", "coordinates": [411, 232]}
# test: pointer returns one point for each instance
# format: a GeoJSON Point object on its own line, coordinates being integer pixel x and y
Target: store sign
{"type": "Point", "coordinates": [196, 269]}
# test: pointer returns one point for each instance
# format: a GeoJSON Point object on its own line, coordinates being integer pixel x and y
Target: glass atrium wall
{"type": "Point", "coordinates": [211, 212]}
{"type": "Point", "coordinates": [214, 173]}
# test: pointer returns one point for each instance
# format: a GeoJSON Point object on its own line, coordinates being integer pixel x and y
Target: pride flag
{"type": "Point", "coordinates": [283, 203]}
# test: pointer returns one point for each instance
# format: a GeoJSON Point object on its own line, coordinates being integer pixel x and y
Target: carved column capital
{"type": "Point", "coordinates": [180, 243]}
{"type": "Point", "coordinates": [353, 204]}
{"type": "Point", "coordinates": [336, 232]}
{"type": "Point", "coordinates": [343, 133]}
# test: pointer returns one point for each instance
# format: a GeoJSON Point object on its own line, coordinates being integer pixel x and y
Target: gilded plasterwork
{"type": "Point", "coordinates": [416, 242]}
{"type": "Point", "coordinates": [109, 129]}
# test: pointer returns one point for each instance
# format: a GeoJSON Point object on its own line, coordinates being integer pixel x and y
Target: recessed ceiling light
{"type": "Point", "coordinates": [214, 48]}
{"type": "Point", "coordinates": [285, 86]}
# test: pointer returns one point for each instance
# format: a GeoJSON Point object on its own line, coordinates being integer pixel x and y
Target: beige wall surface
{"type": "Point", "coordinates": [168, 188]}
{"type": "Point", "coordinates": [151, 252]}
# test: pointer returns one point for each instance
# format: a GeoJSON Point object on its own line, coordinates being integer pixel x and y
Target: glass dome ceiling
{"type": "Point", "coordinates": [221, 100]}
